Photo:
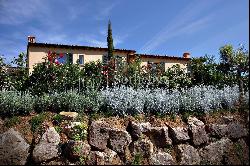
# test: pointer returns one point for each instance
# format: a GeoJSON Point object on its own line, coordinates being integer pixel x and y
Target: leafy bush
{"type": "Point", "coordinates": [12, 121]}
{"type": "Point", "coordinates": [66, 101]}
{"type": "Point", "coordinates": [79, 132]}
{"type": "Point", "coordinates": [126, 100]}
{"type": "Point", "coordinates": [163, 101]}
{"type": "Point", "coordinates": [42, 103]}
{"type": "Point", "coordinates": [15, 103]}
{"type": "Point", "coordinates": [57, 119]}
{"type": "Point", "coordinates": [37, 121]}
{"type": "Point", "coordinates": [122, 100]}
{"type": "Point", "coordinates": [69, 101]}
{"type": "Point", "coordinates": [93, 101]}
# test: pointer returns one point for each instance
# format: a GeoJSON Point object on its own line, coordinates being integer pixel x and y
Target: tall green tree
{"type": "Point", "coordinates": [203, 70]}
{"type": "Point", "coordinates": [237, 62]}
{"type": "Point", "coordinates": [20, 77]}
{"type": "Point", "coordinates": [110, 42]}
{"type": "Point", "coordinates": [3, 73]}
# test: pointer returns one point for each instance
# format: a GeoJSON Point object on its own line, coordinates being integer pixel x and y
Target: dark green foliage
{"type": "Point", "coordinates": [53, 78]}
{"type": "Point", "coordinates": [110, 42]}
{"type": "Point", "coordinates": [79, 132]}
{"type": "Point", "coordinates": [177, 78]}
{"type": "Point", "coordinates": [57, 119]}
{"type": "Point", "coordinates": [20, 76]}
{"type": "Point", "coordinates": [137, 159]}
{"type": "Point", "coordinates": [236, 62]}
{"type": "Point", "coordinates": [4, 81]}
{"type": "Point", "coordinates": [12, 121]}
{"type": "Point", "coordinates": [37, 121]}
{"type": "Point", "coordinates": [15, 103]}
{"type": "Point", "coordinates": [14, 78]}
{"type": "Point", "coordinates": [91, 76]}
{"type": "Point", "coordinates": [203, 70]}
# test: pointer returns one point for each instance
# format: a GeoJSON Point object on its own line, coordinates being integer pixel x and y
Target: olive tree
{"type": "Point", "coordinates": [237, 62]}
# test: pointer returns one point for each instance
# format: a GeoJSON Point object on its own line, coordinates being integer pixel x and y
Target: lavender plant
{"type": "Point", "coordinates": [69, 101]}
{"type": "Point", "coordinates": [126, 100]}
{"type": "Point", "coordinates": [162, 101]}
{"type": "Point", "coordinates": [15, 103]}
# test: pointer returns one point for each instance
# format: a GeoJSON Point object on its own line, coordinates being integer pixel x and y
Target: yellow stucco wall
{"type": "Point", "coordinates": [168, 62]}
{"type": "Point", "coordinates": [36, 54]}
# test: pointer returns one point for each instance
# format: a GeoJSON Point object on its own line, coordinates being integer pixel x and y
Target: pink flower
{"type": "Point", "coordinates": [57, 62]}
{"type": "Point", "coordinates": [50, 58]}
{"type": "Point", "coordinates": [61, 55]}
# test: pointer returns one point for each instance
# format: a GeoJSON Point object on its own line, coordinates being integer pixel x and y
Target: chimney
{"type": "Point", "coordinates": [31, 39]}
{"type": "Point", "coordinates": [186, 55]}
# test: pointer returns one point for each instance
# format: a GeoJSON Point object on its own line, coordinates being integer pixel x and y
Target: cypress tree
{"type": "Point", "coordinates": [110, 42]}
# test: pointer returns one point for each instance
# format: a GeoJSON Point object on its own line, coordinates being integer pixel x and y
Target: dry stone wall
{"type": "Point", "coordinates": [137, 143]}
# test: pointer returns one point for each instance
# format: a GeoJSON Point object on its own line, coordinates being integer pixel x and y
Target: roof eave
{"type": "Point", "coordinates": [76, 46]}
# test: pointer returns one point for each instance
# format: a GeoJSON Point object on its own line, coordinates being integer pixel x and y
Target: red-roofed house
{"type": "Point", "coordinates": [36, 53]}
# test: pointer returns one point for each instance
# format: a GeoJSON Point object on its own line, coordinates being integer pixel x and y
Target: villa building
{"type": "Point", "coordinates": [36, 52]}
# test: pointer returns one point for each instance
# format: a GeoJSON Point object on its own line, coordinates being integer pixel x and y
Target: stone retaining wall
{"type": "Point", "coordinates": [138, 143]}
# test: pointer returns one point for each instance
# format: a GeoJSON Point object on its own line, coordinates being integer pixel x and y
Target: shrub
{"type": "Point", "coordinates": [162, 101]}
{"type": "Point", "coordinates": [66, 101]}
{"type": "Point", "coordinates": [201, 99]}
{"type": "Point", "coordinates": [93, 101]}
{"type": "Point", "coordinates": [12, 121]}
{"type": "Point", "coordinates": [15, 103]}
{"type": "Point", "coordinates": [125, 100]}
{"type": "Point", "coordinates": [57, 119]}
{"type": "Point", "coordinates": [42, 103]}
{"type": "Point", "coordinates": [36, 122]}
{"type": "Point", "coordinates": [79, 132]}
{"type": "Point", "coordinates": [69, 101]}
{"type": "Point", "coordinates": [122, 100]}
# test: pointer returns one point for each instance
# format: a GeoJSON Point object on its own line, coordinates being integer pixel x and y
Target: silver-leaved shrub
{"type": "Point", "coordinates": [15, 103]}
{"type": "Point", "coordinates": [126, 100]}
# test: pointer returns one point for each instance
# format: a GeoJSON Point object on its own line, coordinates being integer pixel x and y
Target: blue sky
{"type": "Point", "coordinates": [165, 27]}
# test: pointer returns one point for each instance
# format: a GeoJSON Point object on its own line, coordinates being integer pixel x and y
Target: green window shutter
{"type": "Point", "coordinates": [70, 57]}
{"type": "Point", "coordinates": [105, 59]}
{"type": "Point", "coordinates": [162, 65]}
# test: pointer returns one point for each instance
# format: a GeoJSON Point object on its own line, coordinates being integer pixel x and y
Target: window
{"type": "Point", "coordinates": [61, 58]}
{"type": "Point", "coordinates": [64, 58]}
{"type": "Point", "coordinates": [81, 59]}
{"type": "Point", "coordinates": [152, 64]}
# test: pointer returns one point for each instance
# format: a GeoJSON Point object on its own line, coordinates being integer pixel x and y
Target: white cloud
{"type": "Point", "coordinates": [49, 36]}
{"type": "Point", "coordinates": [98, 41]}
{"type": "Point", "coordinates": [220, 38]}
{"type": "Point", "coordinates": [186, 21]}
{"type": "Point", "coordinates": [16, 12]}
